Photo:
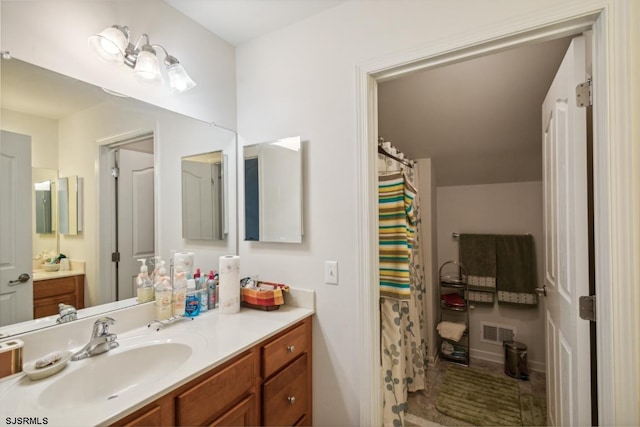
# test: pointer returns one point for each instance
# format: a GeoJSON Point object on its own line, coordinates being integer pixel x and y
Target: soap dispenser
{"type": "Point", "coordinates": [144, 287]}
{"type": "Point", "coordinates": [164, 294]}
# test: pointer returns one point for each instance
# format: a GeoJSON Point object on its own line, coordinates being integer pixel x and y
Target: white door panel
{"type": "Point", "coordinates": [135, 217]}
{"type": "Point", "coordinates": [16, 299]}
{"type": "Point", "coordinates": [566, 244]}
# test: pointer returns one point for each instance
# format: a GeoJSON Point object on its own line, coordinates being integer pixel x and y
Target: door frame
{"type": "Point", "coordinates": [616, 163]}
{"type": "Point", "coordinates": [105, 212]}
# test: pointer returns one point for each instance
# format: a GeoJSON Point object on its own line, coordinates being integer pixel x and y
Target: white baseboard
{"type": "Point", "coordinates": [499, 358]}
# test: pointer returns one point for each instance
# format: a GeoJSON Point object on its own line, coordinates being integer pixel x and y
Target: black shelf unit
{"type": "Point", "coordinates": [453, 279]}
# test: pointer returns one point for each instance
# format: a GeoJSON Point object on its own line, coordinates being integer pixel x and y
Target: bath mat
{"type": "Point", "coordinates": [479, 398]}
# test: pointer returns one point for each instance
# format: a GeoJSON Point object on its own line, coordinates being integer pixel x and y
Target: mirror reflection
{"type": "Point", "coordinates": [273, 191]}
{"type": "Point", "coordinates": [43, 206]}
{"type": "Point", "coordinates": [203, 197]}
{"type": "Point", "coordinates": [71, 129]}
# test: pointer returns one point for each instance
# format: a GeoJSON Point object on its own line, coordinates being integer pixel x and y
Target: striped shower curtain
{"type": "Point", "coordinates": [402, 314]}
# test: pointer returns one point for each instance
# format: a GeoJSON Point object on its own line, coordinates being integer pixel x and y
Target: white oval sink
{"type": "Point", "coordinates": [111, 374]}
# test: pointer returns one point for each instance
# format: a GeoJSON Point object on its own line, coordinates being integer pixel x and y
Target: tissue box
{"type": "Point", "coordinates": [265, 296]}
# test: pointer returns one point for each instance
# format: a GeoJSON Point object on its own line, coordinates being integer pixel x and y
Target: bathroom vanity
{"type": "Point", "coordinates": [268, 385]}
{"type": "Point", "coordinates": [49, 292]}
{"type": "Point", "coordinates": [249, 368]}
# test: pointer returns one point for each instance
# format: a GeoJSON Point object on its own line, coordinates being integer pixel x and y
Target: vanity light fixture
{"type": "Point", "coordinates": [114, 45]}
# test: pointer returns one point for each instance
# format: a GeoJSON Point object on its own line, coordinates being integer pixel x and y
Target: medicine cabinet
{"type": "Point", "coordinates": [204, 197]}
{"type": "Point", "coordinates": [70, 205]}
{"type": "Point", "coordinates": [273, 191]}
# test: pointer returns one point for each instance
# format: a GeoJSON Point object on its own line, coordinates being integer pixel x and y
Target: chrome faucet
{"type": "Point", "coordinates": [101, 340]}
{"type": "Point", "coordinates": [68, 313]}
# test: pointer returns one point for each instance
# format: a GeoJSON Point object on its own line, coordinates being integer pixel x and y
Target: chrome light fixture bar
{"type": "Point", "coordinates": [114, 45]}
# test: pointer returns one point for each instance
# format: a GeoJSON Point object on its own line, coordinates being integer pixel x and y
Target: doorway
{"type": "Point", "coordinates": [610, 203]}
{"type": "Point", "coordinates": [426, 114]}
{"type": "Point", "coordinates": [128, 213]}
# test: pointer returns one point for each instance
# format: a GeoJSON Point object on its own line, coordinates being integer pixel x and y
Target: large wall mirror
{"type": "Point", "coordinates": [273, 191]}
{"type": "Point", "coordinates": [74, 130]}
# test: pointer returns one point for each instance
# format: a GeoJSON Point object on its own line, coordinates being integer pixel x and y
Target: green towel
{"type": "Point", "coordinates": [478, 255]}
{"type": "Point", "coordinates": [516, 270]}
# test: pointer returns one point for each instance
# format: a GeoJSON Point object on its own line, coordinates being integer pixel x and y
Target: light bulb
{"type": "Point", "coordinates": [147, 67]}
{"type": "Point", "coordinates": [179, 80]}
{"type": "Point", "coordinates": [110, 44]}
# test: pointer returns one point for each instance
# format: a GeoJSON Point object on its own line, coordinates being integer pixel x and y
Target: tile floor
{"type": "Point", "coordinates": [422, 404]}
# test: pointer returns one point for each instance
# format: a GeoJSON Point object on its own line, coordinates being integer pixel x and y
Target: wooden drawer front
{"type": "Point", "coordinates": [49, 306]}
{"type": "Point", "coordinates": [281, 351]}
{"type": "Point", "coordinates": [53, 287]}
{"type": "Point", "coordinates": [152, 417]}
{"type": "Point", "coordinates": [205, 401]}
{"type": "Point", "coordinates": [243, 414]}
{"type": "Point", "coordinates": [278, 405]}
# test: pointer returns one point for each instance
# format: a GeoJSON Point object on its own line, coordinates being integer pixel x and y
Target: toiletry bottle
{"type": "Point", "coordinates": [144, 287]}
{"type": "Point", "coordinates": [203, 293]}
{"type": "Point", "coordinates": [179, 291]}
{"type": "Point", "coordinates": [196, 277]}
{"type": "Point", "coordinates": [192, 306]}
{"type": "Point", "coordinates": [163, 294]}
{"type": "Point", "coordinates": [211, 290]}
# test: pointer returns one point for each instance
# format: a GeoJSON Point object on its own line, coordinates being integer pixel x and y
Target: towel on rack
{"type": "Point", "coordinates": [478, 255]}
{"type": "Point", "coordinates": [451, 330]}
{"type": "Point", "coordinates": [516, 270]}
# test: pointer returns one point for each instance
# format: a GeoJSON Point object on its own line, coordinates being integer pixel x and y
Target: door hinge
{"type": "Point", "coordinates": [115, 257]}
{"type": "Point", "coordinates": [584, 95]}
{"type": "Point", "coordinates": [115, 171]}
{"type": "Point", "coordinates": [588, 308]}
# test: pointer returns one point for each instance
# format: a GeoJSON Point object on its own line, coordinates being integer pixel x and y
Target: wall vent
{"type": "Point", "coordinates": [496, 334]}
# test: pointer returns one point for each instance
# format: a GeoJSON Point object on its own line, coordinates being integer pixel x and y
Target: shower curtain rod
{"type": "Point", "coordinates": [403, 161]}
{"type": "Point", "coordinates": [456, 235]}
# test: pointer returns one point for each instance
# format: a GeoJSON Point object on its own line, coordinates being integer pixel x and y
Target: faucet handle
{"type": "Point", "coordinates": [101, 326]}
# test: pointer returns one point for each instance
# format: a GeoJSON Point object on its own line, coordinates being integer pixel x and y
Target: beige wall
{"type": "Point", "coordinates": [496, 209]}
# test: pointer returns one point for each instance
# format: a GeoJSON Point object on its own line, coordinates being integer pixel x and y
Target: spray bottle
{"type": "Point", "coordinates": [212, 289]}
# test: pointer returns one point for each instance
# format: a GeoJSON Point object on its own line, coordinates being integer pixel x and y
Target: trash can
{"type": "Point", "coordinates": [515, 360]}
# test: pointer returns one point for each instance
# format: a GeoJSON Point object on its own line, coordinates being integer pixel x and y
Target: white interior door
{"type": "Point", "coordinates": [16, 295]}
{"type": "Point", "coordinates": [135, 217]}
{"type": "Point", "coordinates": [566, 244]}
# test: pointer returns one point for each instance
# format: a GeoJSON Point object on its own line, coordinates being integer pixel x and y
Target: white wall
{"type": "Point", "coordinates": [53, 35]}
{"type": "Point", "coordinates": [514, 208]}
{"type": "Point", "coordinates": [301, 80]}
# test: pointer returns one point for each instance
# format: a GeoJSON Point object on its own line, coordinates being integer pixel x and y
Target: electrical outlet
{"type": "Point", "coordinates": [331, 272]}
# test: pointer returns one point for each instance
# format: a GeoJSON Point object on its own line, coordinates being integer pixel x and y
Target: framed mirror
{"type": "Point", "coordinates": [71, 126]}
{"type": "Point", "coordinates": [69, 191]}
{"type": "Point", "coordinates": [43, 207]}
{"type": "Point", "coordinates": [204, 197]}
{"type": "Point", "coordinates": [273, 191]}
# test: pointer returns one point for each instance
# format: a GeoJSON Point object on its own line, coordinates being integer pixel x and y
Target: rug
{"type": "Point", "coordinates": [479, 398]}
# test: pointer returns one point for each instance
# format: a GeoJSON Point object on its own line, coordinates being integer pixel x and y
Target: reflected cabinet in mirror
{"type": "Point", "coordinates": [203, 197]}
{"type": "Point", "coordinates": [273, 191]}
{"type": "Point", "coordinates": [72, 129]}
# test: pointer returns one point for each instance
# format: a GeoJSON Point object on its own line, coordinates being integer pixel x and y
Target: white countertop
{"type": "Point", "coordinates": [45, 275]}
{"type": "Point", "coordinates": [215, 337]}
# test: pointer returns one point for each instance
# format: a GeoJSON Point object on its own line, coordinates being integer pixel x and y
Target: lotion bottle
{"type": "Point", "coordinates": [179, 291]}
{"type": "Point", "coordinates": [164, 294]}
{"type": "Point", "coordinates": [212, 289]}
{"type": "Point", "coordinates": [144, 287]}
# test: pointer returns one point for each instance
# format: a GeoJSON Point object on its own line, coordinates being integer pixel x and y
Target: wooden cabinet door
{"type": "Point", "coordinates": [242, 415]}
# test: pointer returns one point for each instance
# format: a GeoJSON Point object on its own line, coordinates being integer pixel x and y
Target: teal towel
{"type": "Point", "coordinates": [516, 269]}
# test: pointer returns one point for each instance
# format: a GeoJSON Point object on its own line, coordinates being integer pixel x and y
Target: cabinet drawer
{"type": "Point", "coordinates": [285, 395]}
{"type": "Point", "coordinates": [282, 350]}
{"type": "Point", "coordinates": [243, 414]}
{"type": "Point", "coordinates": [54, 287]}
{"type": "Point", "coordinates": [152, 417]}
{"type": "Point", "coordinates": [205, 401]}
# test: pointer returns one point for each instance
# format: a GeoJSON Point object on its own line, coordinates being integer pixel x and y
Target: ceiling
{"type": "Point", "coordinates": [480, 121]}
{"type": "Point", "coordinates": [238, 21]}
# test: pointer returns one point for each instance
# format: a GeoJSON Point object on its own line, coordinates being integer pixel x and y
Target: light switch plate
{"type": "Point", "coordinates": [331, 272]}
